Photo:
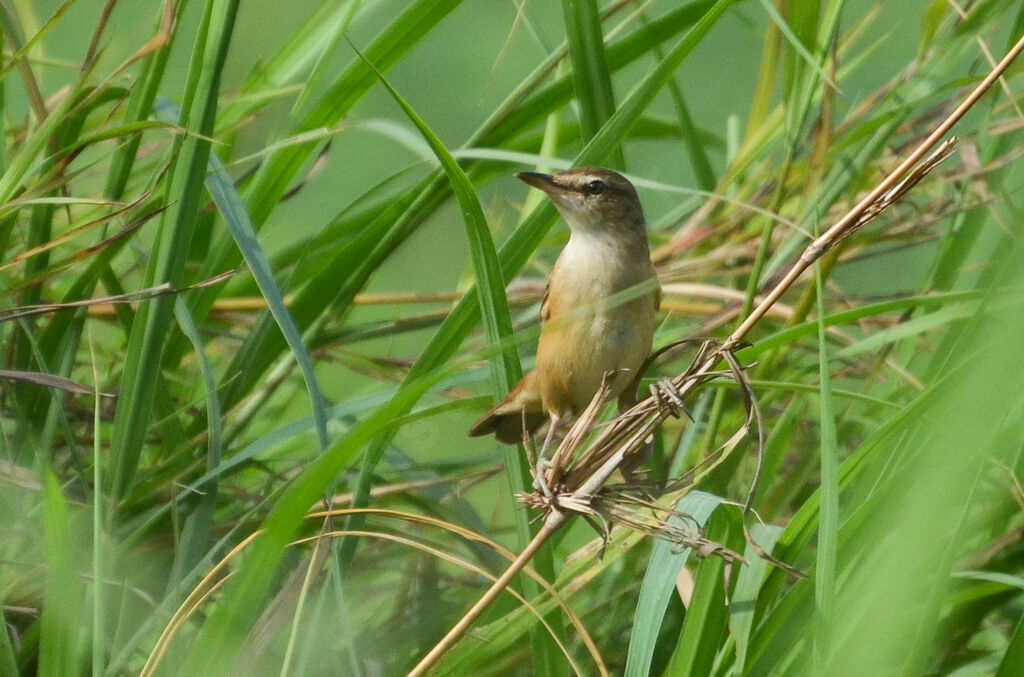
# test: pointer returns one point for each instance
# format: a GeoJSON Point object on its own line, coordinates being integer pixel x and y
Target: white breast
{"type": "Point", "coordinates": [590, 269]}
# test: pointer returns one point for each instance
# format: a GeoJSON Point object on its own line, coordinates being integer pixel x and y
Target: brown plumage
{"type": "Point", "coordinates": [599, 308]}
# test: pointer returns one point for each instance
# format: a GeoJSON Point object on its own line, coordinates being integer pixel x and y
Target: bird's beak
{"type": "Point", "coordinates": [545, 182]}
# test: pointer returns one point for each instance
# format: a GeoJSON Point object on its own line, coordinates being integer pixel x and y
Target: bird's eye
{"type": "Point", "coordinates": [595, 187]}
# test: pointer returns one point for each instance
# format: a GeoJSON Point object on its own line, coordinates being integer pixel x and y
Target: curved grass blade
{"type": "Point", "coordinates": [219, 640]}
{"type": "Point", "coordinates": [505, 367]}
{"type": "Point", "coordinates": [793, 334]}
{"type": "Point", "coordinates": [707, 614]}
{"type": "Point", "coordinates": [59, 639]}
{"type": "Point", "coordinates": [1013, 659]}
{"type": "Point", "coordinates": [224, 195]}
{"type": "Point", "coordinates": [199, 527]}
{"type": "Point", "coordinates": [275, 176]}
{"type": "Point", "coordinates": [490, 285]}
{"type": "Point", "coordinates": [659, 585]}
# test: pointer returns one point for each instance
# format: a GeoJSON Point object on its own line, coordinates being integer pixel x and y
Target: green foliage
{"type": "Point", "coordinates": [238, 289]}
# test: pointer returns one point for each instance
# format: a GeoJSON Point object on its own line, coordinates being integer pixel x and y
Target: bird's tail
{"type": "Point", "coordinates": [521, 408]}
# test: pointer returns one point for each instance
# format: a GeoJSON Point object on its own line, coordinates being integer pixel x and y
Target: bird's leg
{"type": "Point", "coordinates": [543, 463]}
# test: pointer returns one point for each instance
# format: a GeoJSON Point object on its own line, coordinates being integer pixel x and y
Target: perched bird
{"type": "Point", "coordinates": [599, 307]}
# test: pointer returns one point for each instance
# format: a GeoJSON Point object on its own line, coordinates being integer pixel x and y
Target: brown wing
{"type": "Point", "coordinates": [545, 306]}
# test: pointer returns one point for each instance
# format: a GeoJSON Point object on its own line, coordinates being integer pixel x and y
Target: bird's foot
{"type": "Point", "coordinates": [540, 470]}
{"type": "Point", "coordinates": [540, 483]}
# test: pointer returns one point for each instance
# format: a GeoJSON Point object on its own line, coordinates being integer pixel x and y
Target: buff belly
{"type": "Point", "coordinates": [576, 353]}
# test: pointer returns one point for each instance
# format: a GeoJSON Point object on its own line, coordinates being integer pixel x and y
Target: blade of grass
{"type": "Point", "coordinates": [59, 638]}
{"type": "Point", "coordinates": [707, 615]}
{"type": "Point", "coordinates": [591, 79]}
{"type": "Point", "coordinates": [1013, 659]}
{"type": "Point", "coordinates": [140, 103]}
{"type": "Point", "coordinates": [8, 661]}
{"type": "Point", "coordinates": [809, 60]}
{"type": "Point", "coordinates": [828, 521]}
{"type": "Point", "coordinates": [793, 334]}
{"type": "Point", "coordinates": [224, 195]}
{"type": "Point", "coordinates": [943, 317]}
{"type": "Point", "coordinates": [190, 157]}
{"type": "Point", "coordinates": [198, 532]}
{"type": "Point", "coordinates": [490, 285]}
{"type": "Point", "coordinates": [744, 599]}
{"type": "Point", "coordinates": [659, 585]}
{"type": "Point", "coordinates": [99, 634]}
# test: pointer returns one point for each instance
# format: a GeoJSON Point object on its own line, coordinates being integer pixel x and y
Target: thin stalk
{"type": "Point", "coordinates": [555, 521]}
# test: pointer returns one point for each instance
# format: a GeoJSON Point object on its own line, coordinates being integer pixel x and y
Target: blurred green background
{"type": "Point", "coordinates": [890, 474]}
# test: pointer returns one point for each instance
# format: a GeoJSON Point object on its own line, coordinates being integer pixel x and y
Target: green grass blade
{"type": "Point", "coordinates": [8, 662]}
{"type": "Point", "coordinates": [659, 585]}
{"type": "Point", "coordinates": [185, 187]}
{"type": "Point", "coordinates": [140, 104]}
{"type": "Point", "coordinates": [794, 41]}
{"type": "Point", "coordinates": [793, 334]}
{"type": "Point", "coordinates": [99, 555]}
{"type": "Point", "coordinates": [748, 585]}
{"type": "Point", "coordinates": [591, 78]}
{"type": "Point", "coordinates": [222, 190]}
{"type": "Point", "coordinates": [707, 615]}
{"type": "Point", "coordinates": [944, 317]}
{"type": "Point", "coordinates": [59, 637]}
{"type": "Point", "coordinates": [1013, 659]}
{"type": "Point", "coordinates": [490, 285]}
{"type": "Point", "coordinates": [199, 528]}
{"type": "Point", "coordinates": [828, 523]}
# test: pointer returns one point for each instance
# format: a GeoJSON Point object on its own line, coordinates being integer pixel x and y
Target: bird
{"type": "Point", "coordinates": [599, 308]}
